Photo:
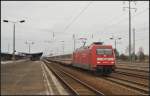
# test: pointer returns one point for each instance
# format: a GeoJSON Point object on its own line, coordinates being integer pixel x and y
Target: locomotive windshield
{"type": "Point", "coordinates": [104, 51]}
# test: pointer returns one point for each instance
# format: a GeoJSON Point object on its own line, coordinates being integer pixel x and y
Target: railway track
{"type": "Point", "coordinates": [136, 66]}
{"type": "Point", "coordinates": [130, 84]}
{"type": "Point", "coordinates": [76, 86]}
{"type": "Point", "coordinates": [131, 79]}
{"type": "Point", "coordinates": [132, 72]}
{"type": "Point", "coordinates": [145, 71]}
{"type": "Point", "coordinates": [136, 63]}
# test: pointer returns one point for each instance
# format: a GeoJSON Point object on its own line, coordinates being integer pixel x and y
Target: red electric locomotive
{"type": "Point", "coordinates": [96, 57]}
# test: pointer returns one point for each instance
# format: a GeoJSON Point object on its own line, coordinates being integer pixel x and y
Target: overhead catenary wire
{"type": "Point", "coordinates": [74, 19]}
{"type": "Point", "coordinates": [138, 30]}
{"type": "Point", "coordinates": [137, 13]}
{"type": "Point", "coordinates": [123, 19]}
{"type": "Point", "coordinates": [144, 28]}
{"type": "Point", "coordinates": [141, 12]}
{"type": "Point", "coordinates": [137, 33]}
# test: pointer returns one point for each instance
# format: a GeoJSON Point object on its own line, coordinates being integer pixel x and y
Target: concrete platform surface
{"type": "Point", "coordinates": [11, 61]}
{"type": "Point", "coordinates": [23, 78]}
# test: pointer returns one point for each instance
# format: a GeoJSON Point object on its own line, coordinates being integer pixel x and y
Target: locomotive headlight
{"type": "Point", "coordinates": [99, 58]}
{"type": "Point", "coordinates": [105, 58]}
{"type": "Point", "coordinates": [110, 58]}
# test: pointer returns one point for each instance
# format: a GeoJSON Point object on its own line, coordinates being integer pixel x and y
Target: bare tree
{"type": "Point", "coordinates": [140, 54]}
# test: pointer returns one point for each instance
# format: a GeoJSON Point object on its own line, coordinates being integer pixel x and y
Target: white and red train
{"type": "Point", "coordinates": [96, 57]}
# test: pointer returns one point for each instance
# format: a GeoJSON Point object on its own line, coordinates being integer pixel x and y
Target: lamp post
{"type": "Point", "coordinates": [8, 47]}
{"type": "Point", "coordinates": [116, 44]}
{"type": "Point", "coordinates": [47, 41]}
{"type": "Point", "coordinates": [29, 43]}
{"type": "Point", "coordinates": [115, 40]}
{"type": "Point", "coordinates": [74, 41]}
{"type": "Point", "coordinates": [14, 22]}
{"type": "Point", "coordinates": [63, 46]}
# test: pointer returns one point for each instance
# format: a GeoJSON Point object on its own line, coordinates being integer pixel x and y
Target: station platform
{"type": "Point", "coordinates": [29, 78]}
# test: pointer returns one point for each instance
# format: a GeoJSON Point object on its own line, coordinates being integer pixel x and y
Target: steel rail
{"type": "Point", "coordinates": [135, 86]}
{"type": "Point", "coordinates": [132, 74]}
{"type": "Point", "coordinates": [129, 86]}
{"type": "Point", "coordinates": [75, 79]}
{"type": "Point", "coordinates": [61, 79]}
{"type": "Point", "coordinates": [133, 82]}
{"type": "Point", "coordinates": [120, 72]}
{"type": "Point", "coordinates": [133, 69]}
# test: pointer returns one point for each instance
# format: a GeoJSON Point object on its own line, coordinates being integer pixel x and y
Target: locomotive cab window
{"type": "Point", "coordinates": [104, 51]}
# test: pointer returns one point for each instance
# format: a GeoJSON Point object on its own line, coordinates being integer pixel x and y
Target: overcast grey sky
{"type": "Point", "coordinates": [103, 19]}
